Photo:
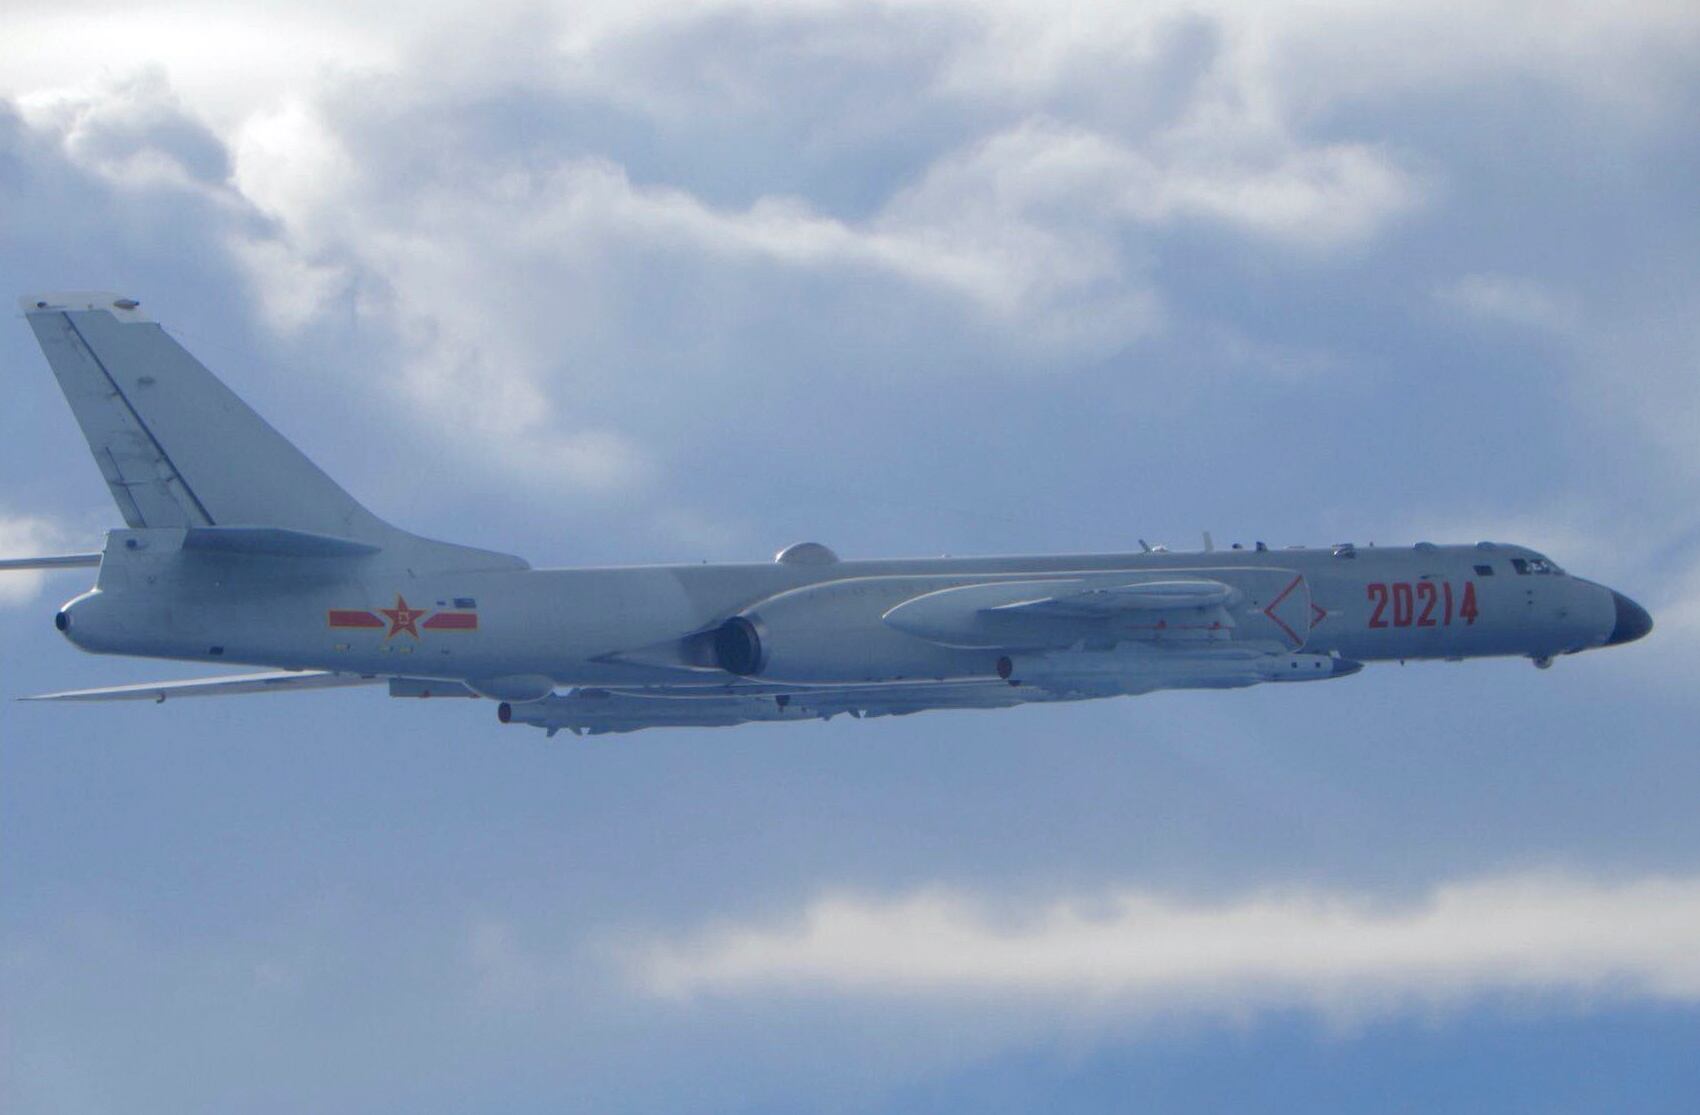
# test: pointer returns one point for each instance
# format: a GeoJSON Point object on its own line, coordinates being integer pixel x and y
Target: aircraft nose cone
{"type": "Point", "coordinates": [1632, 621]}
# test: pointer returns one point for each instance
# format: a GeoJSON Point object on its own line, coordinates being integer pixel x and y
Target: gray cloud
{"type": "Point", "coordinates": [135, 128]}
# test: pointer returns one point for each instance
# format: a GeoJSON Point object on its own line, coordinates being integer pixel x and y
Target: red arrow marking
{"type": "Point", "coordinates": [1277, 620]}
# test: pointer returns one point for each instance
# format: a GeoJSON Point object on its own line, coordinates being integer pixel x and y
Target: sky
{"type": "Point", "coordinates": [637, 282]}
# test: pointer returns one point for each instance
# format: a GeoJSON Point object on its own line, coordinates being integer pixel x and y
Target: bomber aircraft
{"type": "Point", "coordinates": [238, 549]}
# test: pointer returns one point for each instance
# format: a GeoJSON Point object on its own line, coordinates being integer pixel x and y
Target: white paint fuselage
{"type": "Point", "coordinates": [625, 626]}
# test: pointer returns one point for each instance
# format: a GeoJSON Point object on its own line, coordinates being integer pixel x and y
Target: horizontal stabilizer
{"type": "Point", "coordinates": [273, 542]}
{"type": "Point", "coordinates": [272, 681]}
{"type": "Point", "coordinates": [58, 561]}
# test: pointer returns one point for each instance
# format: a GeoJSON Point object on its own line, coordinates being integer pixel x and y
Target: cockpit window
{"type": "Point", "coordinates": [1535, 565]}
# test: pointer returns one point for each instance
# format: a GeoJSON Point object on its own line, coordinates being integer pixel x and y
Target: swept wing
{"type": "Point", "coordinates": [269, 681]}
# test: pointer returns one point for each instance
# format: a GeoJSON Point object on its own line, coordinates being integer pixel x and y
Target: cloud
{"type": "Point", "coordinates": [228, 63]}
{"type": "Point", "coordinates": [565, 233]}
{"type": "Point", "coordinates": [1340, 954]}
{"type": "Point", "coordinates": [281, 205]}
{"type": "Point", "coordinates": [1505, 298]}
{"type": "Point", "coordinates": [1316, 197]}
{"type": "Point", "coordinates": [132, 131]}
{"type": "Point", "coordinates": [1625, 58]}
{"type": "Point", "coordinates": [1049, 207]}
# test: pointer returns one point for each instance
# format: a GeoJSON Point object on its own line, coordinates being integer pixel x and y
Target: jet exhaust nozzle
{"type": "Point", "coordinates": [738, 647]}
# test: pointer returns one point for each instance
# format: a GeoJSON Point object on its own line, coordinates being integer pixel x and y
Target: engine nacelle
{"type": "Point", "coordinates": [834, 637]}
{"type": "Point", "coordinates": [739, 648]}
{"type": "Point", "coordinates": [828, 633]}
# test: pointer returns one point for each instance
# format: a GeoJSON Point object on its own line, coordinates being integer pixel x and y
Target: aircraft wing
{"type": "Point", "coordinates": [271, 681]}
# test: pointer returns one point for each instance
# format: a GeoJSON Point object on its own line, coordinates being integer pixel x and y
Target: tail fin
{"type": "Point", "coordinates": [176, 446]}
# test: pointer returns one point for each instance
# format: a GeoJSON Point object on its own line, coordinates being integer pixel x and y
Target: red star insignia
{"type": "Point", "coordinates": [402, 618]}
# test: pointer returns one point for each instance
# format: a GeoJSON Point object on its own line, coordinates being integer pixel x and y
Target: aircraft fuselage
{"type": "Point", "coordinates": [624, 626]}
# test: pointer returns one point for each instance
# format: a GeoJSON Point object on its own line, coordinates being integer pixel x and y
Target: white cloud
{"type": "Point", "coordinates": [227, 61]}
{"type": "Point", "coordinates": [1027, 229]}
{"type": "Point", "coordinates": [1031, 168]}
{"type": "Point", "coordinates": [1316, 197]}
{"type": "Point", "coordinates": [289, 164]}
{"type": "Point", "coordinates": [1506, 298]}
{"type": "Point", "coordinates": [1046, 205]}
{"type": "Point", "coordinates": [1344, 955]}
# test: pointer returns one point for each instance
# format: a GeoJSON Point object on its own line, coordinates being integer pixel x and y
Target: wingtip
{"type": "Point", "coordinates": [123, 307]}
{"type": "Point", "coordinates": [68, 695]}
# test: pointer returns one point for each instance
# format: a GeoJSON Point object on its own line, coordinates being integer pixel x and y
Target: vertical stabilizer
{"type": "Point", "coordinates": [176, 446]}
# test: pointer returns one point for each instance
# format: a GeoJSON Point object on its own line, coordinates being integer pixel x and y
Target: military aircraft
{"type": "Point", "coordinates": [237, 548]}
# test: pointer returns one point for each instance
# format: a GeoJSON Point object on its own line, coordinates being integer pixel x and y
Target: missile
{"type": "Point", "coordinates": [1142, 670]}
{"type": "Point", "coordinates": [595, 711]}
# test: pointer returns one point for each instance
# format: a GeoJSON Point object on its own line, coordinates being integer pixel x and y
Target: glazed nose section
{"type": "Point", "coordinates": [1632, 621]}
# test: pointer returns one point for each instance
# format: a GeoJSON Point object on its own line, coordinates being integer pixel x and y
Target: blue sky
{"type": "Point", "coordinates": [638, 282]}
